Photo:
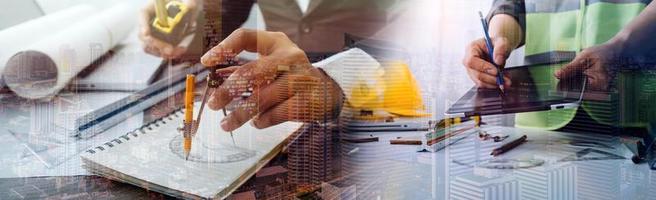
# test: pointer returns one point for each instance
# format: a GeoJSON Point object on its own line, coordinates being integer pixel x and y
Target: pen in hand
{"type": "Point", "coordinates": [490, 48]}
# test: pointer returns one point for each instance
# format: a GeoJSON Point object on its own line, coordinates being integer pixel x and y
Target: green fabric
{"type": "Point", "coordinates": [611, 19]}
{"type": "Point", "coordinates": [547, 32]}
{"type": "Point", "coordinates": [549, 119]}
{"type": "Point", "coordinates": [571, 31]}
{"type": "Point", "coordinates": [636, 98]}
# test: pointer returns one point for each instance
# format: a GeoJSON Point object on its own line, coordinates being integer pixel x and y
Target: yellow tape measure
{"type": "Point", "coordinates": [171, 21]}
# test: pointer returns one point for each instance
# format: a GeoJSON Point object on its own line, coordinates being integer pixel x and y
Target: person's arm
{"type": "Point", "coordinates": [284, 84]}
{"type": "Point", "coordinates": [633, 48]}
{"type": "Point", "coordinates": [505, 11]}
{"type": "Point", "coordinates": [638, 38]}
{"type": "Point", "coordinates": [506, 27]}
{"type": "Point", "coordinates": [507, 33]}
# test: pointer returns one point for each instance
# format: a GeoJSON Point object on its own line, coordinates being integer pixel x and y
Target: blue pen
{"type": "Point", "coordinates": [488, 43]}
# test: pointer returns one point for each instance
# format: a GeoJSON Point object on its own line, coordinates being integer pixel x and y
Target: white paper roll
{"type": "Point", "coordinates": [45, 67]}
{"type": "Point", "coordinates": [16, 38]}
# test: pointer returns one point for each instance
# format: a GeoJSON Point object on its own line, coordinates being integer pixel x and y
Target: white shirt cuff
{"type": "Point", "coordinates": [351, 68]}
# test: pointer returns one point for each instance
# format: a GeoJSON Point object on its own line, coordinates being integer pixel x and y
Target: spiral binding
{"type": "Point", "coordinates": [136, 132]}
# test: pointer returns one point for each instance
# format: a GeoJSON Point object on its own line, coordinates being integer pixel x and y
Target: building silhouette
{"type": "Point", "coordinates": [311, 152]}
{"type": "Point", "coordinates": [473, 186]}
{"type": "Point", "coordinates": [554, 181]}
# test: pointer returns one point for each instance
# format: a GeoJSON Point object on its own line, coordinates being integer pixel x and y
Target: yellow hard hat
{"type": "Point", "coordinates": [402, 95]}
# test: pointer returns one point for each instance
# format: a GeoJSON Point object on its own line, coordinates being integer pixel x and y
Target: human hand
{"type": "Point", "coordinates": [283, 83]}
{"type": "Point", "coordinates": [594, 63]}
{"type": "Point", "coordinates": [479, 66]}
{"type": "Point", "coordinates": [157, 47]}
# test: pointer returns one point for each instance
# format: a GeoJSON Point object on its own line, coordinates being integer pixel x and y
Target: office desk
{"type": "Point", "coordinates": [71, 187]}
{"type": "Point", "coordinates": [576, 166]}
{"type": "Point", "coordinates": [324, 166]}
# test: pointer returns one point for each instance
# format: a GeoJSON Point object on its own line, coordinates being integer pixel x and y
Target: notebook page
{"type": "Point", "coordinates": [149, 156]}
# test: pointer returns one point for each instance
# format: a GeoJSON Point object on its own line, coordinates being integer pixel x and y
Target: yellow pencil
{"type": "Point", "coordinates": [189, 113]}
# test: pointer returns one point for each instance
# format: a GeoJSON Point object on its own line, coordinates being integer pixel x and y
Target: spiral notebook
{"type": "Point", "coordinates": [151, 156]}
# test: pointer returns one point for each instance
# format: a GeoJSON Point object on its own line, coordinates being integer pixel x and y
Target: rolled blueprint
{"type": "Point", "coordinates": [14, 38]}
{"type": "Point", "coordinates": [45, 67]}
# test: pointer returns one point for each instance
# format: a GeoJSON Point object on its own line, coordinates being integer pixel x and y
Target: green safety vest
{"type": "Point", "coordinates": [570, 26]}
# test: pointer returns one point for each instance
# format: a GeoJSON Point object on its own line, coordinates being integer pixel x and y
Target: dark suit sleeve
{"type": "Point", "coordinates": [232, 14]}
{"type": "Point", "coordinates": [514, 8]}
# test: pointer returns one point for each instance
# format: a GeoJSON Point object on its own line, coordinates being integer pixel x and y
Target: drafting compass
{"type": "Point", "coordinates": [214, 80]}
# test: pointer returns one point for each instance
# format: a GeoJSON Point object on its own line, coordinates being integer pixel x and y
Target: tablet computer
{"type": "Point", "coordinates": [533, 88]}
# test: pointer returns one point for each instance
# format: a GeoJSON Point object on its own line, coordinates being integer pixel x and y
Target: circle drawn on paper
{"type": "Point", "coordinates": [219, 154]}
{"type": "Point", "coordinates": [501, 163]}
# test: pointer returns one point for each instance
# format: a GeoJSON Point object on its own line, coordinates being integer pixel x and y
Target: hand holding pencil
{"type": "Point", "coordinates": [483, 65]}
{"type": "Point", "coordinates": [490, 50]}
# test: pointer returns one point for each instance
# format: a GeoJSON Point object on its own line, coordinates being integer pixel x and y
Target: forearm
{"type": "Point", "coordinates": [507, 18]}
{"type": "Point", "coordinates": [503, 25]}
{"type": "Point", "coordinates": [637, 41]}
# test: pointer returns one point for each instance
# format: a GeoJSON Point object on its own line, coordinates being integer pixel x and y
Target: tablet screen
{"type": "Point", "coordinates": [533, 88]}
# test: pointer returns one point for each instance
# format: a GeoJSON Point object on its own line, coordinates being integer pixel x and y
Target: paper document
{"type": "Point", "coordinates": [137, 69]}
{"type": "Point", "coordinates": [152, 157]}
{"type": "Point", "coordinates": [43, 68]}
{"type": "Point", "coordinates": [36, 135]}
{"type": "Point", "coordinates": [17, 38]}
